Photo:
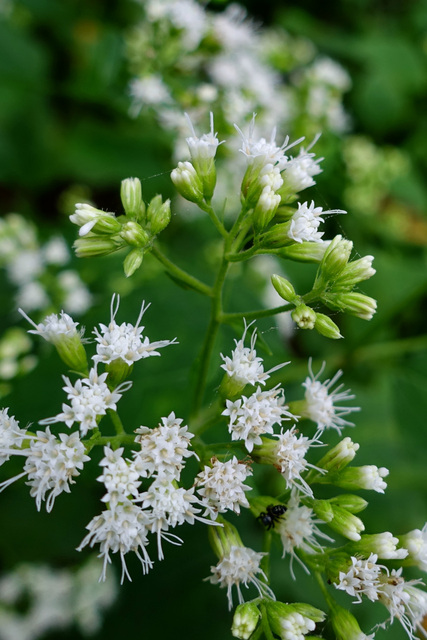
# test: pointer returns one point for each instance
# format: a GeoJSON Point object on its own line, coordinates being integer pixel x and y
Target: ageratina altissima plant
{"type": "Point", "coordinates": [145, 497]}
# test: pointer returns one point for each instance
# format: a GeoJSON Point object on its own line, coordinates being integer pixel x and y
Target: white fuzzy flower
{"type": "Point", "coordinates": [305, 222]}
{"type": "Point", "coordinates": [298, 530]}
{"type": "Point", "coordinates": [362, 578]}
{"type": "Point", "coordinates": [124, 341]}
{"type": "Point", "coordinates": [50, 465]}
{"type": "Point", "coordinates": [290, 459]}
{"type": "Point", "coordinates": [89, 399]}
{"type": "Point", "coordinates": [321, 401]}
{"type": "Point", "coordinates": [11, 435]}
{"type": "Point", "coordinates": [205, 147]}
{"type": "Point", "coordinates": [240, 566]}
{"type": "Point", "coordinates": [119, 531]}
{"type": "Point", "coordinates": [301, 169]}
{"type": "Point", "coordinates": [251, 417]}
{"type": "Point", "coordinates": [171, 506]}
{"type": "Point", "coordinates": [232, 28]}
{"type": "Point", "coordinates": [54, 327]}
{"type": "Point", "coordinates": [404, 601]}
{"type": "Point", "coordinates": [119, 477]}
{"type": "Point", "coordinates": [244, 366]}
{"type": "Point", "coordinates": [163, 449]}
{"type": "Point", "coordinates": [223, 485]}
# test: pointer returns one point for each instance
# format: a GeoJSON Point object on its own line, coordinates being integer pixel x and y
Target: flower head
{"type": "Point", "coordinates": [222, 484]}
{"type": "Point", "coordinates": [290, 452]}
{"type": "Point", "coordinates": [305, 222]}
{"type": "Point", "coordinates": [321, 401]}
{"type": "Point", "coordinates": [11, 435]}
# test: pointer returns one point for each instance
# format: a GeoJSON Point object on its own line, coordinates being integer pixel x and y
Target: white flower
{"type": "Point", "coordinates": [50, 465]}
{"type": "Point", "coordinates": [120, 531]}
{"type": "Point", "coordinates": [301, 169]}
{"type": "Point", "coordinates": [120, 477]}
{"type": "Point", "coordinates": [233, 29]}
{"type": "Point", "coordinates": [362, 577]}
{"type": "Point", "coordinates": [171, 506]}
{"type": "Point", "coordinates": [124, 341]}
{"type": "Point", "coordinates": [89, 399]}
{"type": "Point", "coordinates": [244, 366]}
{"type": "Point", "coordinates": [163, 449]}
{"type": "Point", "coordinates": [25, 267]}
{"type": "Point", "coordinates": [305, 222]}
{"type": "Point", "coordinates": [11, 435]}
{"type": "Point", "coordinates": [77, 297]}
{"type": "Point", "coordinates": [295, 626]}
{"type": "Point", "coordinates": [251, 417]}
{"type": "Point", "coordinates": [240, 566]}
{"type": "Point", "coordinates": [205, 147]}
{"type": "Point", "coordinates": [371, 477]}
{"type": "Point", "coordinates": [149, 90]}
{"type": "Point", "coordinates": [297, 529]}
{"type": "Point", "coordinates": [404, 601]}
{"type": "Point", "coordinates": [263, 151]}
{"type": "Point", "coordinates": [32, 296]}
{"type": "Point", "coordinates": [416, 543]}
{"type": "Point", "coordinates": [223, 485]}
{"type": "Point", "coordinates": [86, 217]}
{"type": "Point", "coordinates": [55, 251]}
{"type": "Point", "coordinates": [321, 401]}
{"type": "Point", "coordinates": [329, 72]}
{"type": "Point", "coordinates": [290, 458]}
{"type": "Point", "coordinates": [54, 327]}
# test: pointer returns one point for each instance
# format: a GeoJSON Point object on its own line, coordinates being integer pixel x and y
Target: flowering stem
{"type": "Point", "coordinates": [218, 224]}
{"type": "Point", "coordinates": [264, 622]}
{"type": "Point", "coordinates": [229, 318]}
{"type": "Point", "coordinates": [114, 441]}
{"type": "Point", "coordinates": [257, 633]}
{"type": "Point", "coordinates": [115, 419]}
{"type": "Point", "coordinates": [329, 600]}
{"type": "Point", "coordinates": [181, 275]}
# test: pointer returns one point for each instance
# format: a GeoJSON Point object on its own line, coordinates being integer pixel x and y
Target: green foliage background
{"type": "Point", "coordinates": [64, 126]}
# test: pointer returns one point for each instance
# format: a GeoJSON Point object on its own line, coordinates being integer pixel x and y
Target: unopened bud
{"type": "Point", "coordinates": [345, 624]}
{"type": "Point", "coordinates": [245, 620]}
{"type": "Point", "coordinates": [89, 218]}
{"type": "Point", "coordinates": [356, 304]}
{"type": "Point", "coordinates": [131, 195]}
{"type": "Point", "coordinates": [133, 261]}
{"type": "Point", "coordinates": [351, 502]}
{"type": "Point", "coordinates": [416, 543]}
{"type": "Point", "coordinates": [304, 251]}
{"type": "Point", "coordinates": [133, 234]}
{"type": "Point", "coordinates": [339, 456]}
{"type": "Point", "coordinates": [96, 246]}
{"type": "Point", "coordinates": [284, 288]}
{"type": "Point", "coordinates": [335, 259]}
{"type": "Point", "coordinates": [343, 522]}
{"type": "Point", "coordinates": [327, 327]}
{"type": "Point", "coordinates": [355, 272]}
{"type": "Point", "coordinates": [292, 620]}
{"type": "Point", "coordinates": [304, 317]}
{"type": "Point", "coordinates": [384, 545]}
{"type": "Point", "coordinates": [265, 208]}
{"type": "Point", "coordinates": [366, 477]}
{"type": "Point", "coordinates": [158, 214]}
{"type": "Point", "coordinates": [187, 182]}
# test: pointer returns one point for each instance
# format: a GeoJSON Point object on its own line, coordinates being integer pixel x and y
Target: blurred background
{"type": "Point", "coordinates": [92, 92]}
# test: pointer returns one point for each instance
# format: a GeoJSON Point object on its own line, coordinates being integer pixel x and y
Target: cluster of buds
{"type": "Point", "coordinates": [102, 232]}
{"type": "Point", "coordinates": [334, 286]}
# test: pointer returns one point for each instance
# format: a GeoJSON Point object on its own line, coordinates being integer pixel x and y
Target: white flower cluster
{"type": "Point", "coordinates": [305, 222]}
{"type": "Point", "coordinates": [402, 598]}
{"type": "Point", "coordinates": [223, 485]}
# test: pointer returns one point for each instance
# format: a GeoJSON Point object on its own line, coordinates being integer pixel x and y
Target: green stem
{"type": "Point", "coordinates": [329, 600]}
{"type": "Point", "coordinates": [218, 224]}
{"type": "Point", "coordinates": [264, 622]}
{"type": "Point", "coordinates": [229, 318]}
{"type": "Point", "coordinates": [243, 255]}
{"type": "Point", "coordinates": [180, 274]}
{"type": "Point", "coordinates": [114, 441]}
{"type": "Point", "coordinates": [118, 424]}
{"type": "Point", "coordinates": [257, 633]}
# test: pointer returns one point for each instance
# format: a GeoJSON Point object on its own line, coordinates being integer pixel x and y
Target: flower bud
{"type": "Point", "coordinates": [224, 537]}
{"type": "Point", "coordinates": [245, 620]}
{"type": "Point", "coordinates": [265, 208]}
{"type": "Point", "coordinates": [382, 544]}
{"type": "Point", "coordinates": [158, 214]}
{"type": "Point", "coordinates": [277, 236]}
{"type": "Point", "coordinates": [187, 182]}
{"type": "Point", "coordinates": [89, 218]}
{"type": "Point", "coordinates": [416, 543]}
{"type": "Point", "coordinates": [133, 261]}
{"type": "Point", "coordinates": [304, 251]}
{"type": "Point", "coordinates": [131, 196]}
{"type": "Point", "coordinates": [304, 317]}
{"type": "Point", "coordinates": [339, 456]}
{"type": "Point", "coordinates": [345, 625]}
{"type": "Point", "coordinates": [355, 272]}
{"type": "Point", "coordinates": [357, 304]}
{"type": "Point", "coordinates": [327, 327]}
{"type": "Point", "coordinates": [96, 246]}
{"type": "Point", "coordinates": [284, 288]}
{"type": "Point", "coordinates": [133, 234]}
{"type": "Point", "coordinates": [367, 477]}
{"type": "Point", "coordinates": [292, 620]}
{"type": "Point", "coordinates": [335, 259]}
{"type": "Point", "coordinates": [342, 521]}
{"type": "Point", "coordinates": [348, 501]}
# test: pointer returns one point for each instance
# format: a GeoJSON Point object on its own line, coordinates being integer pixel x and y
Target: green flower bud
{"type": "Point", "coordinates": [90, 219]}
{"type": "Point", "coordinates": [265, 208]}
{"type": "Point", "coordinates": [368, 477]}
{"type": "Point", "coordinates": [339, 456]}
{"type": "Point", "coordinates": [245, 620]}
{"type": "Point", "coordinates": [187, 182]}
{"type": "Point", "coordinates": [96, 246]}
{"type": "Point", "coordinates": [304, 317]}
{"type": "Point", "coordinates": [133, 234]}
{"type": "Point", "coordinates": [284, 288]}
{"type": "Point", "coordinates": [335, 259]}
{"type": "Point", "coordinates": [342, 521]}
{"type": "Point", "coordinates": [304, 251]}
{"type": "Point", "coordinates": [277, 236]}
{"type": "Point", "coordinates": [223, 538]}
{"type": "Point", "coordinates": [355, 272]}
{"type": "Point", "coordinates": [133, 261]}
{"type": "Point", "coordinates": [131, 195]}
{"type": "Point", "coordinates": [158, 214]}
{"type": "Point", "coordinates": [345, 625]}
{"type": "Point", "coordinates": [348, 501]}
{"type": "Point", "coordinates": [384, 545]}
{"type": "Point", "coordinates": [118, 371]}
{"type": "Point", "coordinates": [357, 304]}
{"type": "Point", "coordinates": [327, 327]}
{"type": "Point", "coordinates": [292, 620]}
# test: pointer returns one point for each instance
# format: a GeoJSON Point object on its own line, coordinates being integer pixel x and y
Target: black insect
{"type": "Point", "coordinates": [272, 515]}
